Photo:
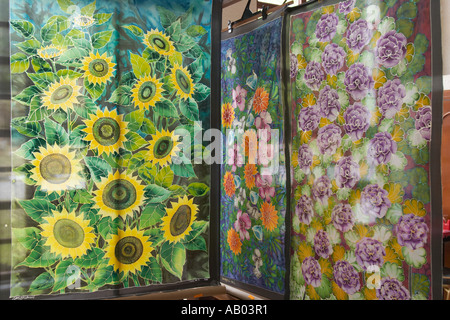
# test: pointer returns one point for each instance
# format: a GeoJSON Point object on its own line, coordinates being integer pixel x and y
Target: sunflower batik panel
{"type": "Point", "coordinates": [104, 193]}
{"type": "Point", "coordinates": [253, 184]}
{"type": "Point", "coordinates": [361, 101]}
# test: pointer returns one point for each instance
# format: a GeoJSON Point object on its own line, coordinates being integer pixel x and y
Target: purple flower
{"type": "Point", "coordinates": [304, 209]}
{"type": "Point", "coordinates": [412, 231]}
{"type": "Point", "coordinates": [358, 81]}
{"type": "Point", "coordinates": [346, 173]}
{"type": "Point", "coordinates": [346, 6]}
{"type": "Point", "coordinates": [314, 75]}
{"type": "Point", "coordinates": [242, 224]}
{"type": "Point", "coordinates": [322, 189]}
{"type": "Point", "coordinates": [358, 35]}
{"type": "Point", "coordinates": [239, 95]}
{"type": "Point", "coordinates": [390, 49]}
{"type": "Point", "coordinates": [264, 183]}
{"type": "Point", "coordinates": [423, 122]}
{"type": "Point", "coordinates": [329, 139]}
{"type": "Point", "coordinates": [294, 66]}
{"type": "Point", "coordinates": [326, 27]}
{"type": "Point", "coordinates": [390, 97]}
{"type": "Point", "coordinates": [369, 252]}
{"type": "Point", "coordinates": [342, 217]}
{"type": "Point", "coordinates": [346, 277]}
{"type": "Point", "coordinates": [305, 157]}
{"type": "Point", "coordinates": [333, 58]}
{"type": "Point", "coordinates": [322, 245]}
{"type": "Point", "coordinates": [309, 118]}
{"type": "Point", "coordinates": [381, 148]}
{"type": "Point", "coordinates": [328, 103]}
{"type": "Point", "coordinates": [392, 289]}
{"type": "Point", "coordinates": [357, 120]}
{"type": "Point", "coordinates": [311, 271]}
{"type": "Point", "coordinates": [374, 201]}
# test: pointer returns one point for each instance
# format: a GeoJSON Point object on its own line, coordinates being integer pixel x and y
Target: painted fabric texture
{"type": "Point", "coordinates": [104, 95]}
{"type": "Point", "coordinates": [253, 184]}
{"type": "Point", "coordinates": [361, 129]}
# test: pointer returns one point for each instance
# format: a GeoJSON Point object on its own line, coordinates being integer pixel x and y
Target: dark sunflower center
{"type": "Point", "coordinates": [147, 91]}
{"type": "Point", "coordinates": [62, 94]}
{"type": "Point", "coordinates": [183, 81]}
{"type": "Point", "coordinates": [98, 67]}
{"type": "Point", "coordinates": [163, 147]}
{"type": "Point", "coordinates": [55, 168]}
{"type": "Point", "coordinates": [180, 220]}
{"type": "Point", "coordinates": [106, 131]}
{"type": "Point", "coordinates": [128, 250]}
{"type": "Point", "coordinates": [159, 42]}
{"type": "Point", "coordinates": [119, 194]}
{"type": "Point", "coordinates": [68, 233]}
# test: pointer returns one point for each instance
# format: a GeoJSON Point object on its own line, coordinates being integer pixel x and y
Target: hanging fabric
{"type": "Point", "coordinates": [106, 95]}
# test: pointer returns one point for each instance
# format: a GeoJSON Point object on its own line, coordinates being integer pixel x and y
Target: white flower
{"type": "Point", "coordinates": [256, 257]}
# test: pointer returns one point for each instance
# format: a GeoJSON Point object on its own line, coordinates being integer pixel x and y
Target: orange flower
{"type": "Point", "coordinates": [250, 145]}
{"type": "Point", "coordinates": [249, 172]}
{"type": "Point", "coordinates": [228, 184]}
{"type": "Point", "coordinates": [261, 100]}
{"type": "Point", "coordinates": [234, 241]}
{"type": "Point", "coordinates": [269, 216]}
{"type": "Point", "coordinates": [227, 115]}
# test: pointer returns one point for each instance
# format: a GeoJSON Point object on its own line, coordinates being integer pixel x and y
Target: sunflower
{"type": "Point", "coordinates": [250, 172]}
{"type": "Point", "coordinates": [50, 51]}
{"type": "Point", "coordinates": [178, 221]}
{"type": "Point", "coordinates": [228, 184]}
{"type": "Point", "coordinates": [118, 195]}
{"type": "Point", "coordinates": [234, 241]}
{"type": "Point", "coordinates": [159, 42]}
{"type": "Point", "coordinates": [129, 250]}
{"type": "Point", "coordinates": [62, 94]}
{"type": "Point", "coordinates": [250, 145]}
{"type": "Point", "coordinates": [146, 92]}
{"type": "Point", "coordinates": [55, 169]}
{"type": "Point", "coordinates": [67, 234]}
{"type": "Point", "coordinates": [83, 21]}
{"type": "Point", "coordinates": [105, 131]}
{"type": "Point", "coordinates": [227, 115]}
{"type": "Point", "coordinates": [269, 216]}
{"type": "Point", "coordinates": [98, 69]}
{"type": "Point", "coordinates": [182, 81]}
{"type": "Point", "coordinates": [260, 100]}
{"type": "Point", "coordinates": [163, 147]}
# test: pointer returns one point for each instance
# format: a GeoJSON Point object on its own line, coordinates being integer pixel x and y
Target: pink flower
{"type": "Point", "coordinates": [239, 95]}
{"type": "Point", "coordinates": [235, 157]}
{"type": "Point", "coordinates": [262, 122]}
{"type": "Point", "coordinates": [242, 225]}
{"type": "Point", "coordinates": [264, 182]}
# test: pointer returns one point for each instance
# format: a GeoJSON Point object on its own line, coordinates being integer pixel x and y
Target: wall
{"type": "Point", "coordinates": [445, 13]}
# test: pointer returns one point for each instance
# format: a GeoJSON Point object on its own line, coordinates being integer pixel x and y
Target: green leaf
{"type": "Point", "coordinates": [182, 167]}
{"type": "Point", "coordinates": [42, 282]}
{"type": "Point", "coordinates": [198, 243]}
{"type": "Point", "coordinates": [95, 90]}
{"type": "Point", "coordinates": [49, 30]}
{"type": "Point", "coordinates": [39, 258]}
{"type": "Point", "coordinates": [55, 133]}
{"type": "Point", "coordinates": [164, 178]}
{"type": "Point", "coordinates": [421, 44]}
{"type": "Point", "coordinates": [408, 10]}
{"type": "Point", "coordinates": [156, 194]}
{"type": "Point", "coordinates": [166, 108]}
{"type": "Point", "coordinates": [27, 95]}
{"type": "Point", "coordinates": [85, 107]}
{"type": "Point", "coordinates": [101, 18]}
{"type": "Point", "coordinates": [147, 127]}
{"type": "Point", "coordinates": [62, 22]}
{"type": "Point", "coordinates": [189, 108]}
{"type": "Point", "coordinates": [140, 66]}
{"type": "Point", "coordinates": [67, 73]}
{"type": "Point", "coordinates": [134, 141]}
{"type": "Point", "coordinates": [196, 70]}
{"type": "Point", "coordinates": [324, 290]}
{"type": "Point", "coordinates": [405, 26]}
{"type": "Point", "coordinates": [23, 27]}
{"type": "Point", "coordinates": [91, 259]}
{"type": "Point", "coordinates": [19, 62]}
{"type": "Point", "coordinates": [27, 149]}
{"type": "Point", "coordinates": [198, 228]}
{"type": "Point", "coordinates": [27, 237]}
{"type": "Point", "coordinates": [72, 57]}
{"type": "Point", "coordinates": [138, 32]}
{"type": "Point", "coordinates": [196, 31]}
{"type": "Point", "coordinates": [152, 271]}
{"type": "Point", "coordinates": [121, 96]}
{"type": "Point", "coordinates": [27, 128]}
{"type": "Point", "coordinates": [186, 18]}
{"type": "Point", "coordinates": [173, 257]}
{"type": "Point", "coordinates": [37, 209]}
{"type": "Point", "coordinates": [415, 258]}
{"type": "Point", "coordinates": [174, 31]}
{"type": "Point", "coordinates": [30, 47]}
{"type": "Point", "coordinates": [82, 44]}
{"type": "Point", "coordinates": [65, 274]}
{"type": "Point", "coordinates": [98, 167]}
{"type": "Point", "coordinates": [89, 9]}
{"type": "Point", "coordinates": [43, 79]}
{"type": "Point", "coordinates": [151, 215]}
{"type": "Point", "coordinates": [421, 192]}
{"type": "Point", "coordinates": [201, 92]}
{"type": "Point", "coordinates": [185, 43]}
{"type": "Point", "coordinates": [65, 5]}
{"type": "Point", "coordinates": [198, 189]}
{"type": "Point", "coordinates": [100, 39]}
{"type": "Point", "coordinates": [167, 17]}
{"type": "Point", "coordinates": [81, 196]}
{"type": "Point", "coordinates": [40, 65]}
